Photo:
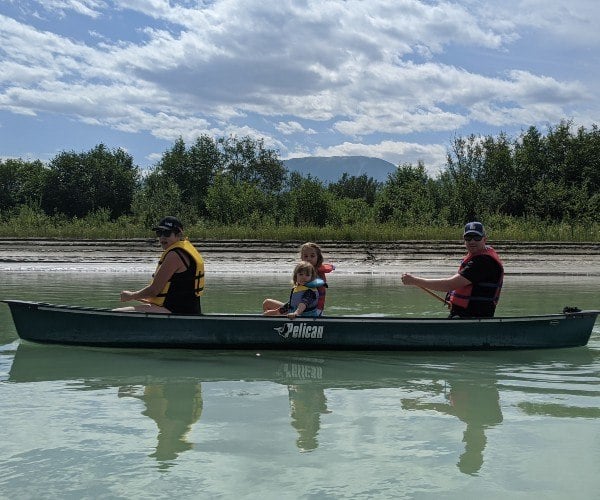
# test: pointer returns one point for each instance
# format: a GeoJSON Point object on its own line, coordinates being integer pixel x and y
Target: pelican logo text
{"type": "Point", "coordinates": [300, 331]}
{"type": "Point", "coordinates": [303, 371]}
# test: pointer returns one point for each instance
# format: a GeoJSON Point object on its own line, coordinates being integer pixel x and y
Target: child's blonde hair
{"type": "Point", "coordinates": [316, 248]}
{"type": "Point", "coordinates": [304, 266]}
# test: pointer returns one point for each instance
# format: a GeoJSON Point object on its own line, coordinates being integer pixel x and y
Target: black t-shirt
{"type": "Point", "coordinates": [481, 269]}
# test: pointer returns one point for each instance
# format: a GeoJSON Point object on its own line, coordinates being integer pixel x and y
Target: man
{"type": "Point", "coordinates": [474, 290]}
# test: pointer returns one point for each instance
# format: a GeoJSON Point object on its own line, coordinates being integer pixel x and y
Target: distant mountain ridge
{"type": "Point", "coordinates": [331, 168]}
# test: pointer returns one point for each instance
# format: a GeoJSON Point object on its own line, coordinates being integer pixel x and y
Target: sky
{"type": "Point", "coordinates": [397, 79]}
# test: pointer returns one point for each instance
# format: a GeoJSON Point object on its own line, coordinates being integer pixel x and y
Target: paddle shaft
{"type": "Point", "coordinates": [433, 294]}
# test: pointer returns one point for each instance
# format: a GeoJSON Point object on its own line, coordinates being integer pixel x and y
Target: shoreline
{"type": "Point", "coordinates": [274, 257]}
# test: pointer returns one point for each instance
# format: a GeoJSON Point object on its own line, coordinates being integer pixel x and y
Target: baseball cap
{"type": "Point", "coordinates": [169, 223]}
{"type": "Point", "coordinates": [474, 228]}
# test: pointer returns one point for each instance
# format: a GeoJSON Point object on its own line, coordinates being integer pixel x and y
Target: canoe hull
{"type": "Point", "coordinates": [70, 325]}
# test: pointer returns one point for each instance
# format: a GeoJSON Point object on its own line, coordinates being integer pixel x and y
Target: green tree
{"type": "Point", "coordinates": [462, 179]}
{"type": "Point", "coordinates": [569, 156]}
{"type": "Point", "coordinates": [585, 155]}
{"type": "Point", "coordinates": [229, 202]}
{"type": "Point", "coordinates": [407, 197]}
{"type": "Point", "coordinates": [158, 197]}
{"type": "Point", "coordinates": [350, 211]}
{"type": "Point", "coordinates": [499, 193]}
{"type": "Point", "coordinates": [247, 160]}
{"type": "Point", "coordinates": [21, 182]}
{"type": "Point", "coordinates": [529, 169]}
{"type": "Point", "coordinates": [192, 170]}
{"type": "Point", "coordinates": [356, 188]}
{"type": "Point", "coordinates": [308, 202]}
{"type": "Point", "coordinates": [80, 183]}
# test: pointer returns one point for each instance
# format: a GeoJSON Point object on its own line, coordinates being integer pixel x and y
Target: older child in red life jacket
{"type": "Point", "coordinates": [310, 252]}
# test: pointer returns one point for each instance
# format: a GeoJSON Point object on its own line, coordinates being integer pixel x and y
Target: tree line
{"type": "Point", "coordinates": [552, 177]}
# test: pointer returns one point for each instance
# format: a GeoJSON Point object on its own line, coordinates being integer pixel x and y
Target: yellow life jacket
{"type": "Point", "coordinates": [296, 296]}
{"type": "Point", "coordinates": [187, 247]}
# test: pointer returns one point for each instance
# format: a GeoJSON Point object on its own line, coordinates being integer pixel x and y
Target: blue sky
{"type": "Point", "coordinates": [396, 79]}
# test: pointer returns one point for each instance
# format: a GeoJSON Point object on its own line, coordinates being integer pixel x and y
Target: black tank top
{"type": "Point", "coordinates": [181, 298]}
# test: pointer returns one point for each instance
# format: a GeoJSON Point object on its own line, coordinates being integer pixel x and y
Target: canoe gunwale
{"type": "Point", "coordinates": [244, 316]}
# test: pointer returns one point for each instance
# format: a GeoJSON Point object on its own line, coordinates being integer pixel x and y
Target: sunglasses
{"type": "Point", "coordinates": [163, 232]}
{"type": "Point", "coordinates": [469, 237]}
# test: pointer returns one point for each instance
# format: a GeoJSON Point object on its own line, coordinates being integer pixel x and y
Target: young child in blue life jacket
{"type": "Point", "coordinates": [303, 300]}
{"type": "Point", "coordinates": [311, 252]}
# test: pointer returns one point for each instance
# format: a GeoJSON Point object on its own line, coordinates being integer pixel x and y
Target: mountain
{"type": "Point", "coordinates": [331, 168]}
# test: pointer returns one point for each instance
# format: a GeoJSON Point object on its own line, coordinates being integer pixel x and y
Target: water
{"type": "Point", "coordinates": [94, 423]}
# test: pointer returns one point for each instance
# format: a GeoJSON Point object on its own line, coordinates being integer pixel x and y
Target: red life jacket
{"type": "Point", "coordinates": [462, 296]}
{"type": "Point", "coordinates": [323, 268]}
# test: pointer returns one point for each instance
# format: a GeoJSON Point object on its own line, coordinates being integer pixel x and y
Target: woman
{"type": "Point", "coordinates": [178, 281]}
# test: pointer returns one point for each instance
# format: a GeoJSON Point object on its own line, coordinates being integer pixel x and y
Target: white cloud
{"type": "Point", "coordinates": [574, 22]}
{"type": "Point", "coordinates": [90, 8]}
{"type": "Point", "coordinates": [292, 127]}
{"type": "Point", "coordinates": [345, 71]}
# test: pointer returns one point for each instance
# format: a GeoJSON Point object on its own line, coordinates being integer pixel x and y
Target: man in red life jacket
{"type": "Point", "coordinates": [474, 290]}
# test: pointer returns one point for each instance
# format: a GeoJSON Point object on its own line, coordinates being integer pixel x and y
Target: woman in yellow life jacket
{"type": "Point", "coordinates": [178, 281]}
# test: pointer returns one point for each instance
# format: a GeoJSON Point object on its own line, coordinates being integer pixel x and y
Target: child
{"type": "Point", "coordinates": [310, 252]}
{"type": "Point", "coordinates": [303, 300]}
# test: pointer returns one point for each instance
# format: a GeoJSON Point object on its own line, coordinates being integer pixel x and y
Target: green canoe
{"type": "Point", "coordinates": [72, 325]}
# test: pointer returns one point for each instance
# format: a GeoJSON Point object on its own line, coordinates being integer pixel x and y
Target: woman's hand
{"type": "Point", "coordinates": [127, 295]}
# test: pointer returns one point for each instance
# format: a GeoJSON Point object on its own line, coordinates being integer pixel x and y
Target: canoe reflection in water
{"type": "Point", "coordinates": [169, 384]}
{"type": "Point", "coordinates": [477, 404]}
{"type": "Point", "coordinates": [175, 407]}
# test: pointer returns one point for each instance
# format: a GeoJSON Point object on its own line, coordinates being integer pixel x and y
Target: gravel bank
{"type": "Point", "coordinates": [255, 257]}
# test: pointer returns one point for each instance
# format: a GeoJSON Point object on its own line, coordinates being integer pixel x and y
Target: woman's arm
{"type": "Point", "coordinates": [170, 266]}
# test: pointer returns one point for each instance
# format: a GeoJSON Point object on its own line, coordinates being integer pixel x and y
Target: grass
{"type": "Point", "coordinates": [31, 223]}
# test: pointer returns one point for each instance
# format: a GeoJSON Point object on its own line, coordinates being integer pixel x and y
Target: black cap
{"type": "Point", "coordinates": [169, 223]}
{"type": "Point", "coordinates": [474, 228]}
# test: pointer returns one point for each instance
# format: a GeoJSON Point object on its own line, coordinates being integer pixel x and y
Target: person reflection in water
{"type": "Point", "coordinates": [476, 404]}
{"type": "Point", "coordinates": [307, 404]}
{"type": "Point", "coordinates": [175, 408]}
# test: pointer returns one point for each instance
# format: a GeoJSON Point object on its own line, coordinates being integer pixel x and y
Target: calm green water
{"type": "Point", "coordinates": [93, 423]}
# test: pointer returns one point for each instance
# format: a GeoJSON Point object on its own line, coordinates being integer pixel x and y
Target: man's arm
{"type": "Point", "coordinates": [439, 284]}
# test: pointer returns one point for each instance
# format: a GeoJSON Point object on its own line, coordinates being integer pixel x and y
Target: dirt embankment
{"type": "Point", "coordinates": [247, 256]}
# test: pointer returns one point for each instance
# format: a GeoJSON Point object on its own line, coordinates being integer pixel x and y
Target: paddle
{"type": "Point", "coordinates": [433, 294]}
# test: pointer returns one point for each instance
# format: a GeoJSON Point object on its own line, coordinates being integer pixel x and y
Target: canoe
{"type": "Point", "coordinates": [74, 325]}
